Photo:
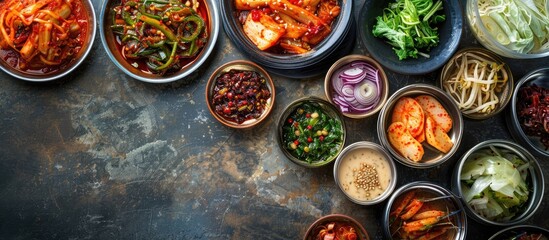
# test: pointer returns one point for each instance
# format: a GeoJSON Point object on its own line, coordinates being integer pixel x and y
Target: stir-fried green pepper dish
{"type": "Point", "coordinates": [311, 135]}
{"type": "Point", "coordinates": [410, 26]}
{"type": "Point", "coordinates": [163, 33]}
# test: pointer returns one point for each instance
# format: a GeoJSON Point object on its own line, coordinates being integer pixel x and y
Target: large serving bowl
{"type": "Point", "coordinates": [8, 66]}
{"type": "Point", "coordinates": [341, 221]}
{"type": "Point", "coordinates": [517, 116]}
{"type": "Point", "coordinates": [315, 62]}
{"type": "Point", "coordinates": [467, 172]}
{"type": "Point", "coordinates": [311, 132]}
{"type": "Point", "coordinates": [518, 231]}
{"type": "Point", "coordinates": [365, 173]}
{"type": "Point", "coordinates": [468, 62]}
{"type": "Point", "coordinates": [208, 9]}
{"type": "Point", "coordinates": [432, 156]}
{"type": "Point", "coordinates": [374, 82]}
{"type": "Point", "coordinates": [479, 23]}
{"type": "Point", "coordinates": [252, 103]}
{"type": "Point", "coordinates": [430, 197]}
{"type": "Point", "coordinates": [449, 35]}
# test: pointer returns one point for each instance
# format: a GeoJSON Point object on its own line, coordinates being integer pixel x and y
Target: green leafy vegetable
{"type": "Point", "coordinates": [409, 26]}
{"type": "Point", "coordinates": [520, 25]}
{"type": "Point", "coordinates": [494, 183]}
{"type": "Point", "coordinates": [312, 135]}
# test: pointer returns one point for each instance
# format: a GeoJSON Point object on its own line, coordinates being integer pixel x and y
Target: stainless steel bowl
{"type": "Point", "coordinates": [432, 157]}
{"type": "Point", "coordinates": [66, 70]}
{"type": "Point", "coordinates": [383, 84]}
{"type": "Point", "coordinates": [385, 161]}
{"type": "Point", "coordinates": [514, 231]}
{"type": "Point", "coordinates": [539, 77]}
{"type": "Point", "coordinates": [109, 44]}
{"type": "Point", "coordinates": [536, 182]}
{"type": "Point", "coordinates": [450, 70]}
{"type": "Point", "coordinates": [427, 191]}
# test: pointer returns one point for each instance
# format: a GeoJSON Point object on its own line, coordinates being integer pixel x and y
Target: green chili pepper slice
{"type": "Point", "coordinates": [198, 27]}
{"type": "Point", "coordinates": [160, 26]}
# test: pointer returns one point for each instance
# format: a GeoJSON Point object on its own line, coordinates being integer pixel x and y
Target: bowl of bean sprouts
{"type": "Point", "coordinates": [159, 41]}
{"type": "Point", "coordinates": [479, 81]}
{"type": "Point", "coordinates": [45, 40]}
{"type": "Point", "coordinates": [511, 28]}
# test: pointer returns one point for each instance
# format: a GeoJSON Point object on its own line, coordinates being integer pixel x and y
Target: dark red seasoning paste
{"type": "Point", "coordinates": [240, 95]}
{"type": "Point", "coordinates": [533, 112]}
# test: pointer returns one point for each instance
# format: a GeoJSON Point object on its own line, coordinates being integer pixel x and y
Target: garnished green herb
{"type": "Point", "coordinates": [311, 135]}
{"type": "Point", "coordinates": [410, 26]}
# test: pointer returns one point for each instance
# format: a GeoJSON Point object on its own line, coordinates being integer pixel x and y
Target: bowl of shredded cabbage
{"type": "Point", "coordinates": [478, 81]}
{"type": "Point", "coordinates": [499, 182]}
{"type": "Point", "coordinates": [511, 28]}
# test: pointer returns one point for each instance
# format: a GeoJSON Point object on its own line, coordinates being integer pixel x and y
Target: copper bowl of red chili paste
{"type": "Point", "coordinates": [240, 94]}
{"type": "Point", "coordinates": [49, 47]}
{"type": "Point", "coordinates": [336, 226]}
{"type": "Point", "coordinates": [159, 41]}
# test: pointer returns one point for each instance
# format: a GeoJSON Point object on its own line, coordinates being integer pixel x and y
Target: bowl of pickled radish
{"type": "Point", "coordinates": [424, 210]}
{"type": "Point", "coordinates": [420, 126]}
{"type": "Point", "coordinates": [357, 85]}
{"type": "Point", "coordinates": [499, 182]}
{"type": "Point", "coordinates": [159, 41]}
{"type": "Point", "coordinates": [510, 28]}
{"type": "Point", "coordinates": [479, 81]}
{"type": "Point", "coordinates": [295, 39]}
{"type": "Point", "coordinates": [48, 46]}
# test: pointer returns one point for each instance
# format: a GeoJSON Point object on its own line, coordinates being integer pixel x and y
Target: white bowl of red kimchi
{"type": "Point", "coordinates": [44, 40]}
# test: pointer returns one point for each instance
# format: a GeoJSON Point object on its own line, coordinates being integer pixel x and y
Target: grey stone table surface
{"type": "Point", "coordinates": [99, 155]}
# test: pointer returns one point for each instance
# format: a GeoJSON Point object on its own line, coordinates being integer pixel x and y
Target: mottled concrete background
{"type": "Point", "coordinates": [99, 155]}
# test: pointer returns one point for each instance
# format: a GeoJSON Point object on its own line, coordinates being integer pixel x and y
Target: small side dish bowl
{"type": "Point", "coordinates": [486, 29]}
{"type": "Point", "coordinates": [342, 225]}
{"type": "Point", "coordinates": [240, 94]}
{"type": "Point", "coordinates": [495, 79]}
{"type": "Point", "coordinates": [142, 55]}
{"type": "Point", "coordinates": [449, 33]}
{"type": "Point", "coordinates": [365, 172]}
{"type": "Point", "coordinates": [433, 132]}
{"type": "Point", "coordinates": [68, 53]}
{"type": "Point", "coordinates": [417, 201]}
{"type": "Point", "coordinates": [529, 99]}
{"type": "Point", "coordinates": [311, 132]}
{"type": "Point", "coordinates": [290, 61]}
{"type": "Point", "coordinates": [521, 232]}
{"type": "Point", "coordinates": [499, 182]}
{"type": "Point", "coordinates": [365, 82]}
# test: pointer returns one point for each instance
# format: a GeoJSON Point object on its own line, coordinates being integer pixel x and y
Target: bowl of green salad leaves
{"type": "Point", "coordinates": [411, 37]}
{"type": "Point", "coordinates": [499, 182]}
{"type": "Point", "coordinates": [311, 132]}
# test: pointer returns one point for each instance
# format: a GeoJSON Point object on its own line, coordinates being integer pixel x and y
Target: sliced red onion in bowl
{"type": "Point", "coordinates": [357, 87]}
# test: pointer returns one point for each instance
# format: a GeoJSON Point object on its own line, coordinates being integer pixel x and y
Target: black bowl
{"type": "Point", "coordinates": [339, 43]}
{"type": "Point", "coordinates": [449, 35]}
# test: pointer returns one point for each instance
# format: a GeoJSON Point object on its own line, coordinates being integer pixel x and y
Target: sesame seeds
{"type": "Point", "coordinates": [366, 177]}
